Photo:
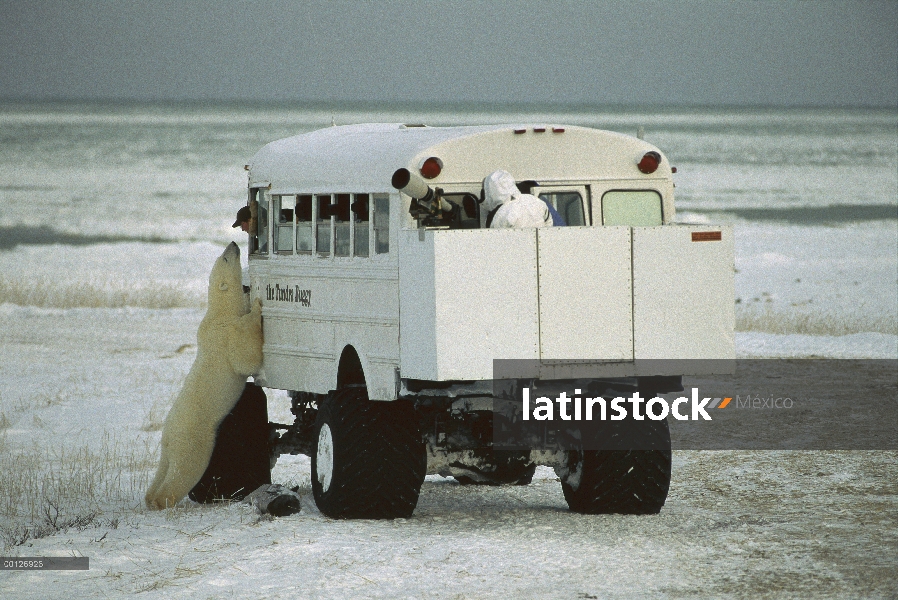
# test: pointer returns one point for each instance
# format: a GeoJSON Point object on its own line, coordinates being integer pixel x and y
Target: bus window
{"type": "Point", "coordinates": [360, 224]}
{"type": "Point", "coordinates": [262, 198]}
{"type": "Point", "coordinates": [381, 224]}
{"type": "Point", "coordinates": [634, 208]}
{"type": "Point", "coordinates": [304, 234]}
{"type": "Point", "coordinates": [323, 242]}
{"type": "Point", "coordinates": [467, 216]}
{"type": "Point", "coordinates": [342, 225]}
{"type": "Point", "coordinates": [569, 205]}
{"type": "Point", "coordinates": [282, 210]}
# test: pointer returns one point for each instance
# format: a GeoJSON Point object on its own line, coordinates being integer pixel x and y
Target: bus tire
{"type": "Point", "coordinates": [369, 458]}
{"type": "Point", "coordinates": [621, 481]}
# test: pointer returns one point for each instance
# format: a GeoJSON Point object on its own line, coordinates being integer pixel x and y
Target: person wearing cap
{"type": "Point", "coordinates": [508, 207]}
{"type": "Point", "coordinates": [526, 186]}
{"type": "Point", "coordinates": [243, 218]}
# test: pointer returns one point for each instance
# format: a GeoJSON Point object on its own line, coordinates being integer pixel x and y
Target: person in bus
{"type": "Point", "coordinates": [506, 206]}
{"type": "Point", "coordinates": [526, 186]}
{"type": "Point", "coordinates": [243, 218]}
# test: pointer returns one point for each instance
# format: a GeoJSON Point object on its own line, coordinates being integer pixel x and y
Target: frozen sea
{"type": "Point", "coordinates": [106, 206]}
{"type": "Point", "coordinates": [111, 216]}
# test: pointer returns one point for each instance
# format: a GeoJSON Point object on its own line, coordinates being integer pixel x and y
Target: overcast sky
{"type": "Point", "coordinates": [676, 52]}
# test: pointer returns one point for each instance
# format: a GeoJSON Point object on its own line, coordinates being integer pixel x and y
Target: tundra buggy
{"type": "Point", "coordinates": [410, 335]}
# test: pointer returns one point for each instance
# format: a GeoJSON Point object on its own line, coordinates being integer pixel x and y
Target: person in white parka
{"type": "Point", "coordinates": [513, 209]}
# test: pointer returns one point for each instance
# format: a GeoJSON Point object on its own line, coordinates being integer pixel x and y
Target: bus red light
{"type": "Point", "coordinates": [649, 163]}
{"type": "Point", "coordinates": [431, 167]}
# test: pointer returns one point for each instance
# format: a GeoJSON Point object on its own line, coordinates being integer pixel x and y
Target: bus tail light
{"type": "Point", "coordinates": [649, 163]}
{"type": "Point", "coordinates": [431, 167]}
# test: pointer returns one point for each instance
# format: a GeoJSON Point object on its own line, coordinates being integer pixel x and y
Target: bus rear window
{"type": "Point", "coordinates": [631, 207]}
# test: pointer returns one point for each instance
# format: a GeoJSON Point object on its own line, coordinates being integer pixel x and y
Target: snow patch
{"type": "Point", "coordinates": [855, 346]}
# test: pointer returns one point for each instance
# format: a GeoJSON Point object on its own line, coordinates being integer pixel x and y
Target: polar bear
{"type": "Point", "coordinates": [229, 349]}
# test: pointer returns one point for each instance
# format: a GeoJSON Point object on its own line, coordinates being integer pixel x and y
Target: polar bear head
{"type": "Point", "coordinates": [226, 283]}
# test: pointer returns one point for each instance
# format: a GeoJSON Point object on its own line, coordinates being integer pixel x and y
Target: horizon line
{"type": "Point", "coordinates": [461, 105]}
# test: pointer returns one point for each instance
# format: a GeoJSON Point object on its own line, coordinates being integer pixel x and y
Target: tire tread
{"type": "Point", "coordinates": [379, 458]}
{"type": "Point", "coordinates": [624, 481]}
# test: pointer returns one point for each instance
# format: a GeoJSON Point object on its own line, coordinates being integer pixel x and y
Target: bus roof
{"type": "Point", "coordinates": [362, 158]}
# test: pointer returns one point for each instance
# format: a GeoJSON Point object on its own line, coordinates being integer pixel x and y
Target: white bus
{"type": "Point", "coordinates": [384, 314]}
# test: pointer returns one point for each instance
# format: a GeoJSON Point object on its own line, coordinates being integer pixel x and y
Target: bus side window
{"type": "Point", "coordinates": [342, 225]}
{"type": "Point", "coordinates": [323, 225]}
{"type": "Point", "coordinates": [360, 224]}
{"type": "Point", "coordinates": [305, 237]}
{"type": "Point", "coordinates": [282, 209]}
{"type": "Point", "coordinates": [381, 223]}
{"type": "Point", "coordinates": [262, 198]}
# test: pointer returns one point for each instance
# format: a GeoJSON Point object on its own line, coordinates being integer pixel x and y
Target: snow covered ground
{"type": "Point", "coordinates": [736, 524]}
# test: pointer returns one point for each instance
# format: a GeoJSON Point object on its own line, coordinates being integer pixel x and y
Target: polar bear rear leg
{"type": "Point", "coordinates": [182, 471]}
{"type": "Point", "coordinates": [182, 475]}
{"type": "Point", "coordinates": [150, 497]}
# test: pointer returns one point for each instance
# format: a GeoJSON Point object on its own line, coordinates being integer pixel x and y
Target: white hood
{"type": "Point", "coordinates": [498, 188]}
{"type": "Point", "coordinates": [523, 211]}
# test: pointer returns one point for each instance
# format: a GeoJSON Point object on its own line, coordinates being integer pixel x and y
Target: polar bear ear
{"type": "Point", "coordinates": [223, 286]}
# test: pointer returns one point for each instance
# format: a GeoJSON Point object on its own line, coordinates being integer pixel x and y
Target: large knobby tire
{"type": "Point", "coordinates": [369, 458]}
{"type": "Point", "coordinates": [621, 481]}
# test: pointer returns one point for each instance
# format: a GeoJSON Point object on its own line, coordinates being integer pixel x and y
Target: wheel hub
{"type": "Point", "coordinates": [325, 457]}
